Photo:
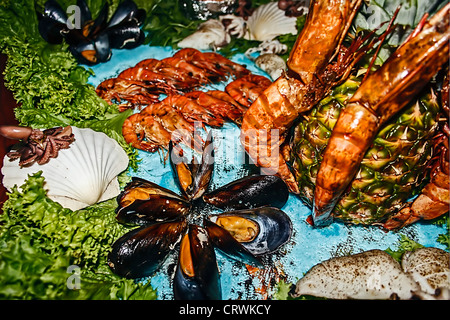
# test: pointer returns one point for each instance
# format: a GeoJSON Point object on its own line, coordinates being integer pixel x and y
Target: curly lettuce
{"type": "Point", "coordinates": [49, 252]}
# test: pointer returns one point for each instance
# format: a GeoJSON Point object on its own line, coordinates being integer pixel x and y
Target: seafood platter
{"type": "Point", "coordinates": [226, 150]}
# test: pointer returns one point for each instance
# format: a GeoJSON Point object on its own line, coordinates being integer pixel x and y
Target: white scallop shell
{"type": "Point", "coordinates": [80, 176]}
{"type": "Point", "coordinates": [211, 34]}
{"type": "Point", "coordinates": [268, 22]}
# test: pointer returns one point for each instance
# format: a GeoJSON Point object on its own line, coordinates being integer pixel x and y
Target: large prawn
{"type": "Point", "coordinates": [434, 199]}
{"type": "Point", "coordinates": [380, 96]}
{"type": "Point", "coordinates": [266, 123]}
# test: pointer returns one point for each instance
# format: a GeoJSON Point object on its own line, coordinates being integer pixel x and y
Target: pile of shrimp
{"type": "Point", "coordinates": [179, 78]}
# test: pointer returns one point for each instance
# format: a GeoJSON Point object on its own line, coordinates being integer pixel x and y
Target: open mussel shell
{"type": "Point", "coordinates": [85, 12]}
{"type": "Point", "coordinates": [126, 35]}
{"type": "Point", "coordinates": [89, 52]}
{"type": "Point", "coordinates": [140, 252]}
{"type": "Point", "coordinates": [92, 28]}
{"type": "Point", "coordinates": [51, 30]}
{"type": "Point", "coordinates": [197, 274]}
{"type": "Point", "coordinates": [53, 11]}
{"type": "Point", "coordinates": [144, 202]}
{"type": "Point", "coordinates": [224, 241]}
{"type": "Point", "coordinates": [52, 22]}
{"type": "Point", "coordinates": [127, 11]}
{"type": "Point", "coordinates": [193, 178]}
{"type": "Point", "coordinates": [250, 192]}
{"type": "Point", "coordinates": [260, 230]}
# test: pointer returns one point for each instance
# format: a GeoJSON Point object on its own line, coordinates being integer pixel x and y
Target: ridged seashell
{"type": "Point", "coordinates": [80, 176]}
{"type": "Point", "coordinates": [268, 21]}
{"type": "Point", "coordinates": [210, 35]}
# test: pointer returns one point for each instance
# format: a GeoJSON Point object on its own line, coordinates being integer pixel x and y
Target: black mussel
{"type": "Point", "coordinates": [250, 192]}
{"type": "Point", "coordinates": [140, 252]}
{"type": "Point", "coordinates": [126, 35]}
{"type": "Point", "coordinates": [261, 230]}
{"type": "Point", "coordinates": [91, 40]}
{"type": "Point", "coordinates": [224, 241]}
{"type": "Point", "coordinates": [54, 11]}
{"type": "Point", "coordinates": [127, 11]}
{"type": "Point", "coordinates": [93, 28]}
{"type": "Point", "coordinates": [52, 22]}
{"type": "Point", "coordinates": [193, 178]}
{"type": "Point", "coordinates": [103, 48]}
{"type": "Point", "coordinates": [52, 31]}
{"type": "Point", "coordinates": [143, 202]}
{"type": "Point", "coordinates": [85, 13]}
{"type": "Point", "coordinates": [197, 274]}
{"type": "Point", "coordinates": [92, 52]}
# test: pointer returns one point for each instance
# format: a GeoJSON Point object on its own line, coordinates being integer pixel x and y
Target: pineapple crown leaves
{"type": "Point", "coordinates": [376, 13]}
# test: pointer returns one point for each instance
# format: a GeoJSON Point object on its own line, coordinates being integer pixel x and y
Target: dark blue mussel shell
{"type": "Point", "coordinates": [92, 41]}
{"type": "Point", "coordinates": [141, 252]}
{"type": "Point", "coordinates": [250, 192]}
{"type": "Point", "coordinates": [143, 202]}
{"type": "Point", "coordinates": [197, 274]}
{"type": "Point", "coordinates": [260, 230]}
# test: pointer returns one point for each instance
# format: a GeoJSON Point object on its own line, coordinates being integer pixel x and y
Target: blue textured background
{"type": "Point", "coordinates": [307, 247]}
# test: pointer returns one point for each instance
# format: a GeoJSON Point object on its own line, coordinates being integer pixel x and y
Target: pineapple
{"type": "Point", "coordinates": [393, 169]}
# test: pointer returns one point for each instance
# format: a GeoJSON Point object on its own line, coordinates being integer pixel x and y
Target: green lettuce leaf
{"type": "Point", "coordinates": [50, 88]}
{"type": "Point", "coordinates": [41, 243]}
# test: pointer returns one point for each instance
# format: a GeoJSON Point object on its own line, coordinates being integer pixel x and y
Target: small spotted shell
{"type": "Point", "coordinates": [429, 267]}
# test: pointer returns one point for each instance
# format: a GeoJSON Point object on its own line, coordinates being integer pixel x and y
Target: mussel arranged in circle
{"type": "Point", "coordinates": [250, 192]}
{"type": "Point", "coordinates": [140, 252]}
{"type": "Point", "coordinates": [143, 202]}
{"type": "Point", "coordinates": [197, 275]}
{"type": "Point", "coordinates": [91, 40]}
{"type": "Point", "coordinates": [227, 244]}
{"type": "Point", "coordinates": [167, 219]}
{"type": "Point", "coordinates": [260, 230]}
{"type": "Point", "coordinates": [193, 178]}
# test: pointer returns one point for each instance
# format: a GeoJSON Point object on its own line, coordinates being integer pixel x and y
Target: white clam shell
{"type": "Point", "coordinates": [372, 274]}
{"type": "Point", "coordinates": [429, 267]}
{"type": "Point", "coordinates": [211, 34]}
{"type": "Point", "coordinates": [80, 176]}
{"type": "Point", "coordinates": [268, 21]}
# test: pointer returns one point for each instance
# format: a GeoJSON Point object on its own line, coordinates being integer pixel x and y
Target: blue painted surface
{"type": "Point", "coordinates": [307, 247]}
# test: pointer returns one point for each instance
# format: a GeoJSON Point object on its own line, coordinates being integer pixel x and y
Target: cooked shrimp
{"type": "Point", "coordinates": [247, 89]}
{"type": "Point", "coordinates": [145, 133]}
{"type": "Point", "coordinates": [192, 111]}
{"type": "Point", "coordinates": [220, 108]}
{"type": "Point", "coordinates": [174, 122]}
